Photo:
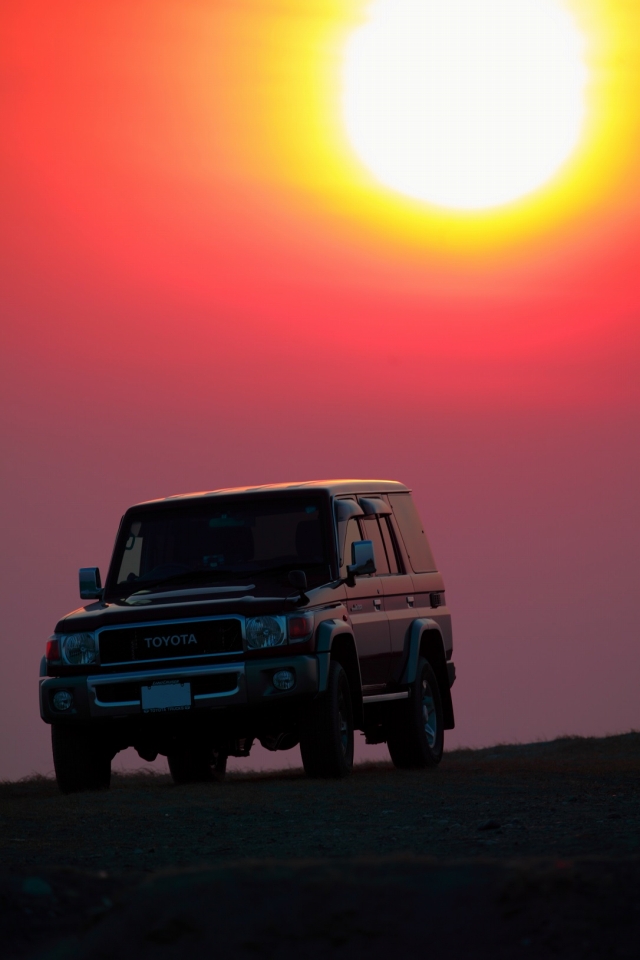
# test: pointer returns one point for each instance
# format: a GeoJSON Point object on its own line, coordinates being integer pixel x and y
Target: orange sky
{"type": "Point", "coordinates": [202, 285]}
{"type": "Point", "coordinates": [197, 149]}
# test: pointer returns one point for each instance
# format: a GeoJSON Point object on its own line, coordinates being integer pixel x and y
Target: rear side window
{"type": "Point", "coordinates": [387, 536]}
{"type": "Point", "coordinates": [410, 524]}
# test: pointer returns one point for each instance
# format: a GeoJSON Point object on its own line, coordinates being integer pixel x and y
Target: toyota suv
{"type": "Point", "coordinates": [287, 614]}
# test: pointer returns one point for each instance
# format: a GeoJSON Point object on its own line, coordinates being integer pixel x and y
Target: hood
{"type": "Point", "coordinates": [97, 615]}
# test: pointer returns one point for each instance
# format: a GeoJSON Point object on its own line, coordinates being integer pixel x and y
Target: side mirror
{"type": "Point", "coordinates": [90, 583]}
{"type": "Point", "coordinates": [363, 560]}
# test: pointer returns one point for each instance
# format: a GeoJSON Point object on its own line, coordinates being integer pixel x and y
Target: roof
{"type": "Point", "coordinates": [332, 487]}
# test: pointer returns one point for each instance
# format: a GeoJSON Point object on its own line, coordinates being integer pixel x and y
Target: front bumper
{"type": "Point", "coordinates": [222, 685]}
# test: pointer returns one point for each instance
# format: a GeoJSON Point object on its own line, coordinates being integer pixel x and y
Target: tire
{"type": "Point", "coordinates": [192, 762]}
{"type": "Point", "coordinates": [416, 726]}
{"type": "Point", "coordinates": [81, 759]}
{"type": "Point", "coordinates": [326, 741]}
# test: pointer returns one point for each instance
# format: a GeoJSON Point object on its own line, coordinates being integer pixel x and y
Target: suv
{"type": "Point", "coordinates": [289, 613]}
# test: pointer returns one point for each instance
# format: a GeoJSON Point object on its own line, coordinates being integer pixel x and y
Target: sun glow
{"type": "Point", "coordinates": [465, 104]}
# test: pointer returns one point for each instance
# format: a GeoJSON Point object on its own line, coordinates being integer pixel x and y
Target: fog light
{"type": "Point", "coordinates": [284, 680]}
{"type": "Point", "coordinates": [62, 700]}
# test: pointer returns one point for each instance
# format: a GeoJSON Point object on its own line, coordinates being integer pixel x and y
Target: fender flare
{"type": "Point", "coordinates": [413, 645]}
{"type": "Point", "coordinates": [327, 634]}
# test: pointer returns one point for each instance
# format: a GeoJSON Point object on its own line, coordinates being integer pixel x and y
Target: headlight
{"type": "Point", "coordinates": [264, 632]}
{"type": "Point", "coordinates": [78, 648]}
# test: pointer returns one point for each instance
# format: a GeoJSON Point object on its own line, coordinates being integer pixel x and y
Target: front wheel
{"type": "Point", "coordinates": [326, 741]}
{"type": "Point", "coordinates": [416, 726]}
{"type": "Point", "coordinates": [81, 758]}
{"type": "Point", "coordinates": [192, 762]}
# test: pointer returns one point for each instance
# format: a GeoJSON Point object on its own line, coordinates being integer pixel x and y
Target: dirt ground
{"type": "Point", "coordinates": [529, 850]}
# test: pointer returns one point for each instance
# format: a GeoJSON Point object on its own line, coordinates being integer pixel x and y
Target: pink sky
{"type": "Point", "coordinates": [167, 330]}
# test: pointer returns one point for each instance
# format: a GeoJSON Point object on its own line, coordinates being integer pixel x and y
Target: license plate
{"type": "Point", "coordinates": [166, 695]}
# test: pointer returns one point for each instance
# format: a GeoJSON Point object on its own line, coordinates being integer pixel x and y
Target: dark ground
{"type": "Point", "coordinates": [529, 850]}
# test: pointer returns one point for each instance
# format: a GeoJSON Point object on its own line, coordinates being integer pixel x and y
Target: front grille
{"type": "Point", "coordinates": [170, 641]}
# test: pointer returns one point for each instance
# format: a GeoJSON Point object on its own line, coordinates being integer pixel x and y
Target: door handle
{"type": "Point", "coordinates": [377, 604]}
{"type": "Point", "coordinates": [410, 601]}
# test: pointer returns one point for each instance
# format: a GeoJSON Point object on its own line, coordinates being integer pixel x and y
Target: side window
{"type": "Point", "coordinates": [371, 532]}
{"type": "Point", "coordinates": [410, 524]}
{"type": "Point", "coordinates": [352, 534]}
{"type": "Point", "coordinates": [387, 536]}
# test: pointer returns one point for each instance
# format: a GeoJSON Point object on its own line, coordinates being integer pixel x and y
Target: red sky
{"type": "Point", "coordinates": [199, 287]}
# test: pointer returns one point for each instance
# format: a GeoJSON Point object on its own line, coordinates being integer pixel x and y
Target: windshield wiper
{"type": "Point", "coordinates": [190, 577]}
{"type": "Point", "coordinates": [286, 567]}
{"type": "Point", "coordinates": [193, 576]}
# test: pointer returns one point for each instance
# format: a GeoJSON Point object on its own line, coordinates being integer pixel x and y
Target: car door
{"type": "Point", "coordinates": [365, 604]}
{"type": "Point", "coordinates": [399, 597]}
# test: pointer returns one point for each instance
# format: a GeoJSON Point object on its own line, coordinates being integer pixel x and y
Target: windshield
{"type": "Point", "coordinates": [252, 542]}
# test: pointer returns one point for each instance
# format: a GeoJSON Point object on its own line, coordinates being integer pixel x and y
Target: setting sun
{"type": "Point", "coordinates": [465, 105]}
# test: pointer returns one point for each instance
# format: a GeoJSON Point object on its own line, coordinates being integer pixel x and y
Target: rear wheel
{"type": "Point", "coordinates": [191, 762]}
{"type": "Point", "coordinates": [81, 758]}
{"type": "Point", "coordinates": [326, 741]}
{"type": "Point", "coordinates": [416, 728]}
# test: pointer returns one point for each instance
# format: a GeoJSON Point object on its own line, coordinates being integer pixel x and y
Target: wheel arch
{"type": "Point", "coordinates": [335, 641]}
{"type": "Point", "coordinates": [424, 639]}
